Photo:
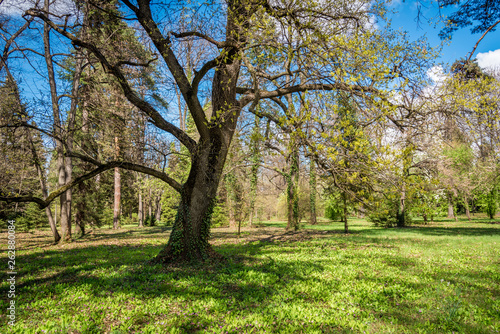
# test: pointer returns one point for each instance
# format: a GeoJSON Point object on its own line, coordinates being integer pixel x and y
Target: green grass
{"type": "Point", "coordinates": [439, 278]}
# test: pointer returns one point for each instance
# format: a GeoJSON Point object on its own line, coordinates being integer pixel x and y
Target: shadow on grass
{"type": "Point", "coordinates": [249, 280]}
{"type": "Point", "coordinates": [437, 231]}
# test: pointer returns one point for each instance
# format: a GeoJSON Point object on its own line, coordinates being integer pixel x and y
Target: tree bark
{"type": "Point", "coordinates": [83, 188]}
{"type": "Point", "coordinates": [402, 210]}
{"type": "Point", "coordinates": [451, 214]}
{"type": "Point", "coordinates": [150, 205]}
{"type": "Point", "coordinates": [292, 190]}
{"type": "Point", "coordinates": [43, 186]}
{"type": "Point", "coordinates": [344, 214]}
{"type": "Point", "coordinates": [158, 209]}
{"type": "Point", "coordinates": [65, 219]}
{"type": "Point", "coordinates": [467, 210]}
{"type": "Point", "coordinates": [189, 237]}
{"type": "Point", "coordinates": [231, 198]}
{"type": "Point", "coordinates": [118, 194]}
{"type": "Point", "coordinates": [141, 210]}
{"type": "Point", "coordinates": [80, 217]}
{"type": "Point", "coordinates": [255, 158]}
{"type": "Point", "coordinates": [312, 192]}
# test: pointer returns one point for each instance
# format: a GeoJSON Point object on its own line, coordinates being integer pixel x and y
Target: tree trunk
{"type": "Point", "coordinates": [312, 192]}
{"type": "Point", "coordinates": [296, 211]}
{"type": "Point", "coordinates": [467, 210]}
{"type": "Point", "coordinates": [117, 200]}
{"type": "Point", "coordinates": [150, 205]}
{"type": "Point", "coordinates": [289, 201]}
{"type": "Point", "coordinates": [231, 198]}
{"type": "Point", "coordinates": [65, 198]}
{"type": "Point", "coordinates": [80, 219]}
{"type": "Point", "coordinates": [43, 186]}
{"type": "Point", "coordinates": [402, 210]}
{"type": "Point", "coordinates": [141, 210]}
{"type": "Point", "coordinates": [255, 158]}
{"type": "Point", "coordinates": [65, 218]}
{"type": "Point", "coordinates": [292, 190]}
{"type": "Point", "coordinates": [158, 209]}
{"type": "Point", "coordinates": [83, 188]}
{"type": "Point", "coordinates": [189, 237]}
{"type": "Point", "coordinates": [118, 188]}
{"type": "Point", "coordinates": [346, 225]}
{"type": "Point", "coordinates": [450, 207]}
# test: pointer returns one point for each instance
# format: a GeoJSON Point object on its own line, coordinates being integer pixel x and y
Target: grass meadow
{"type": "Point", "coordinates": [439, 278]}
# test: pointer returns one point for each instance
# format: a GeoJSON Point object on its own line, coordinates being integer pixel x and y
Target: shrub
{"type": "Point", "coordinates": [385, 214]}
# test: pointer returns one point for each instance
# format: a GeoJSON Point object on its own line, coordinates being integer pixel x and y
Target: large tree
{"type": "Point", "coordinates": [258, 48]}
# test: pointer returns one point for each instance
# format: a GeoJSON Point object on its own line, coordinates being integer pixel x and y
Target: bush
{"type": "Point", "coordinates": [219, 216]}
{"type": "Point", "coordinates": [150, 220]}
{"type": "Point", "coordinates": [385, 214]}
{"type": "Point", "coordinates": [333, 209]}
{"type": "Point", "coordinates": [491, 203]}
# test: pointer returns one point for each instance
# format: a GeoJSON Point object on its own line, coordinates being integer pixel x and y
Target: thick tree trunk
{"type": "Point", "coordinates": [189, 237]}
{"type": "Point", "coordinates": [190, 232]}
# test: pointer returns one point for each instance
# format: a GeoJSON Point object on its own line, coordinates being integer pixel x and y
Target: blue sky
{"type": "Point", "coordinates": [462, 42]}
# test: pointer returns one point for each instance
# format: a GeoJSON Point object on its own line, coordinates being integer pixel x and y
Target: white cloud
{"type": "Point", "coordinates": [13, 7]}
{"type": "Point", "coordinates": [436, 74]}
{"type": "Point", "coordinates": [18, 7]}
{"type": "Point", "coordinates": [489, 59]}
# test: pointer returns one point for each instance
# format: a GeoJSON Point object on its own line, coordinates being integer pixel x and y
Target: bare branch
{"type": "Point", "coordinates": [131, 95]}
{"type": "Point", "coordinates": [163, 45]}
{"type": "Point", "coordinates": [102, 168]}
{"type": "Point", "coordinates": [209, 39]}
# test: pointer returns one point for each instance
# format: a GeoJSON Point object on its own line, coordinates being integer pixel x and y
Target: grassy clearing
{"type": "Point", "coordinates": [441, 278]}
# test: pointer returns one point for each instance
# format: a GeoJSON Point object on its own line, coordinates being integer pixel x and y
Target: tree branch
{"type": "Point", "coordinates": [129, 93]}
{"type": "Point", "coordinates": [249, 93]}
{"type": "Point", "coordinates": [102, 168]}
{"type": "Point", "coordinates": [209, 39]}
{"type": "Point", "coordinates": [163, 45]}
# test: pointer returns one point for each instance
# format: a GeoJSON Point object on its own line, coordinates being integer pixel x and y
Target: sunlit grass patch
{"type": "Point", "coordinates": [440, 278]}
